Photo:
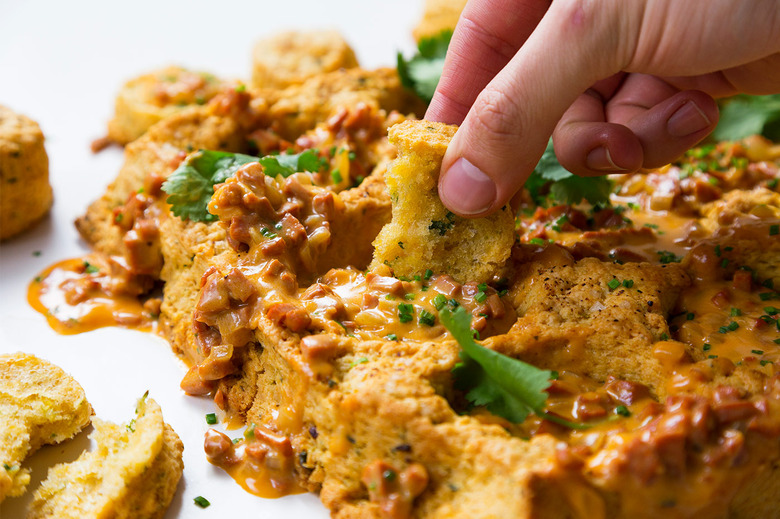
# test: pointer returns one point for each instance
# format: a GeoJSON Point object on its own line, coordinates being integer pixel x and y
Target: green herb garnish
{"type": "Point", "coordinates": [202, 502]}
{"type": "Point", "coordinates": [565, 187]}
{"type": "Point", "coordinates": [664, 256]}
{"type": "Point", "coordinates": [211, 418]}
{"type": "Point", "coordinates": [191, 186]}
{"type": "Point", "coordinates": [422, 72]}
{"type": "Point", "coordinates": [505, 386]}
{"type": "Point", "coordinates": [743, 116]}
{"type": "Point", "coordinates": [405, 312]}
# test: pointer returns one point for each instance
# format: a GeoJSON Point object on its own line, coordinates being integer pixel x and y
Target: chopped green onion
{"type": "Point", "coordinates": [426, 318]}
{"type": "Point", "coordinates": [439, 301]}
{"type": "Point", "coordinates": [622, 410]}
{"type": "Point", "coordinates": [405, 312]}
{"type": "Point", "coordinates": [211, 418]}
{"type": "Point", "coordinates": [202, 502]}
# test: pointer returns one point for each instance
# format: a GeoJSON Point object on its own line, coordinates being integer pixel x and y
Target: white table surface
{"type": "Point", "coordinates": [61, 63]}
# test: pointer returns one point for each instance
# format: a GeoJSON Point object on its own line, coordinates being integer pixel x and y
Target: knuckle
{"type": "Point", "coordinates": [496, 113]}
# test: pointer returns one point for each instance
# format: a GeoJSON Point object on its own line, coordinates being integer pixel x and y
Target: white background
{"type": "Point", "coordinates": [61, 63]}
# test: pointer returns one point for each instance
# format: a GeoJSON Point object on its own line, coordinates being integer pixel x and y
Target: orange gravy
{"type": "Point", "coordinates": [75, 295]}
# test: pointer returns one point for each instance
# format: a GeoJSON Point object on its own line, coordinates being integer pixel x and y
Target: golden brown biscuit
{"type": "Point", "coordinates": [423, 233]}
{"type": "Point", "coordinates": [439, 15]}
{"type": "Point", "coordinates": [289, 58]}
{"type": "Point", "coordinates": [133, 472]}
{"type": "Point", "coordinates": [40, 404]}
{"type": "Point", "coordinates": [147, 99]}
{"type": "Point", "coordinates": [25, 193]}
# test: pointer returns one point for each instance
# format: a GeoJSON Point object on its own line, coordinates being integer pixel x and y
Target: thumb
{"type": "Point", "coordinates": [508, 126]}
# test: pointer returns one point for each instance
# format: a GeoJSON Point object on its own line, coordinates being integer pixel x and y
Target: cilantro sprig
{"type": "Point", "coordinates": [743, 115]}
{"type": "Point", "coordinates": [507, 387]}
{"type": "Point", "coordinates": [422, 71]}
{"type": "Point", "coordinates": [191, 186]}
{"type": "Point", "coordinates": [565, 187]}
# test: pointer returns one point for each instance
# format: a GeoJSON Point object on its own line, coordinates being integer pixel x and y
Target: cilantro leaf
{"type": "Point", "coordinates": [744, 115]}
{"type": "Point", "coordinates": [286, 164]}
{"type": "Point", "coordinates": [564, 186]}
{"type": "Point", "coordinates": [421, 73]}
{"type": "Point", "coordinates": [507, 387]}
{"type": "Point", "coordinates": [191, 186]}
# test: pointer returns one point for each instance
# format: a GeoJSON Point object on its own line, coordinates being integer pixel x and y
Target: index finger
{"type": "Point", "coordinates": [488, 35]}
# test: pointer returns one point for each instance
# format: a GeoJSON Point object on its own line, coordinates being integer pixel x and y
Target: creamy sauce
{"type": "Point", "coordinates": [75, 296]}
{"type": "Point", "coordinates": [720, 321]}
{"type": "Point", "coordinates": [262, 462]}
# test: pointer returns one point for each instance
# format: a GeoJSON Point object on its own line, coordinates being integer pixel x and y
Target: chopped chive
{"type": "Point", "coordinates": [480, 297]}
{"type": "Point", "coordinates": [428, 274]}
{"type": "Point", "coordinates": [628, 283]}
{"type": "Point", "coordinates": [439, 301]}
{"type": "Point", "coordinates": [405, 312]}
{"type": "Point", "coordinates": [665, 257]}
{"type": "Point", "coordinates": [613, 283]}
{"type": "Point", "coordinates": [757, 352]}
{"type": "Point", "coordinates": [391, 337]}
{"type": "Point", "coordinates": [202, 502]}
{"type": "Point", "coordinates": [211, 418]}
{"type": "Point", "coordinates": [426, 318]}
{"type": "Point", "coordinates": [622, 410]}
{"type": "Point", "coordinates": [664, 336]}
{"type": "Point", "coordinates": [736, 312]}
{"type": "Point", "coordinates": [689, 316]}
{"type": "Point", "coordinates": [268, 234]}
{"type": "Point", "coordinates": [409, 297]}
{"type": "Point", "coordinates": [706, 346]}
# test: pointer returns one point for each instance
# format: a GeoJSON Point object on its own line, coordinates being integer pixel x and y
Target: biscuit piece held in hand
{"type": "Point", "coordinates": [423, 234]}
{"type": "Point", "coordinates": [25, 193]}
{"type": "Point", "coordinates": [39, 404]}
{"type": "Point", "coordinates": [132, 472]}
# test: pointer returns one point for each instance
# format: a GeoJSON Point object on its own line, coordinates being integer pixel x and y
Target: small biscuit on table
{"type": "Point", "coordinates": [438, 16]}
{"type": "Point", "coordinates": [40, 404]}
{"type": "Point", "coordinates": [145, 100]}
{"type": "Point", "coordinates": [290, 58]}
{"type": "Point", "coordinates": [25, 193]}
{"type": "Point", "coordinates": [423, 234]}
{"type": "Point", "coordinates": [132, 473]}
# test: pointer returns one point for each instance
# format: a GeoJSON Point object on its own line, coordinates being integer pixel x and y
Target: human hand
{"type": "Point", "coordinates": [619, 85]}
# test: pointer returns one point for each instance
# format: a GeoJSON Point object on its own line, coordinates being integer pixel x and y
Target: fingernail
{"type": "Point", "coordinates": [600, 160]}
{"type": "Point", "coordinates": [467, 189]}
{"type": "Point", "coordinates": [686, 120]}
